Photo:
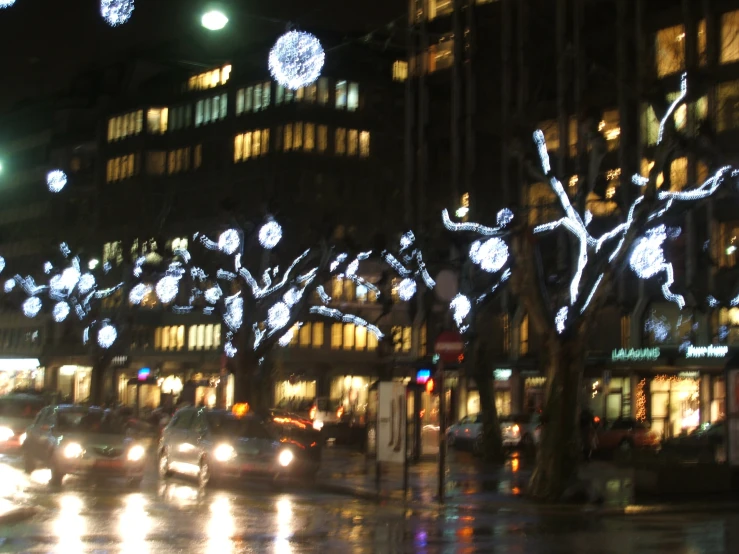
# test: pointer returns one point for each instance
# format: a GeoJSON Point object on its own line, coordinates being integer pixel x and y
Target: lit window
{"type": "Point", "coordinates": [266, 94]}
{"type": "Point", "coordinates": [340, 141]}
{"type": "Point", "coordinates": [729, 37]}
{"type": "Point", "coordinates": [728, 106]}
{"type": "Point", "coordinates": [523, 336]}
{"type": "Point", "coordinates": [352, 98]}
{"type": "Point", "coordinates": [349, 331]}
{"type": "Point", "coordinates": [297, 135]}
{"type": "Point", "coordinates": [178, 160]}
{"type": "Point", "coordinates": [340, 95]}
{"type": "Point", "coordinates": [179, 244]}
{"type": "Point", "coordinates": [678, 174]}
{"type": "Point", "coordinates": [279, 95]}
{"type": "Point", "coordinates": [402, 338]}
{"type": "Point", "coordinates": [156, 120]}
{"type": "Point", "coordinates": [323, 138]}
{"type": "Point", "coordinates": [210, 79]}
{"type": "Point", "coordinates": [670, 50]}
{"type": "Point", "coordinates": [323, 91]}
{"type": "Point", "coordinates": [305, 335]}
{"type": "Point", "coordinates": [317, 340]}
{"type": "Point", "coordinates": [251, 144]}
{"type": "Point", "coordinates": [364, 144]}
{"type": "Point", "coordinates": [113, 252]}
{"type": "Point", "coordinates": [542, 204]}
{"type": "Point", "coordinates": [337, 336]}
{"type": "Point", "coordinates": [211, 109]}
{"type": "Point", "coordinates": [204, 337]}
{"type": "Point", "coordinates": [288, 137]}
{"type": "Point", "coordinates": [169, 338]}
{"type": "Point", "coordinates": [650, 125]}
{"type": "Point", "coordinates": [125, 125]}
{"type": "Point", "coordinates": [310, 137]}
{"type": "Point", "coordinates": [311, 91]}
{"type": "Point", "coordinates": [610, 128]}
{"type": "Point", "coordinates": [198, 157]}
{"type": "Point", "coordinates": [437, 8]}
{"type": "Point", "coordinates": [122, 167]}
{"type": "Point", "coordinates": [400, 70]}
{"type": "Point", "coordinates": [441, 55]}
{"type": "Point", "coordinates": [352, 142]}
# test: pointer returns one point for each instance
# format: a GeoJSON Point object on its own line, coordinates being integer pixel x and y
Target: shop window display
{"type": "Point", "coordinates": [675, 405]}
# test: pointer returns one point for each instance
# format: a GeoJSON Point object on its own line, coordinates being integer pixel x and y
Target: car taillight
{"type": "Point", "coordinates": [340, 411]}
{"type": "Point", "coordinates": [312, 413]}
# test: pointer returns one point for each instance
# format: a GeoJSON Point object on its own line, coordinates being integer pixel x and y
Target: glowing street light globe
{"type": "Point", "coordinates": [296, 59]}
{"type": "Point", "coordinates": [116, 12]}
{"type": "Point", "coordinates": [6, 3]}
{"type": "Point", "coordinates": [56, 180]}
{"type": "Point", "coordinates": [214, 20]}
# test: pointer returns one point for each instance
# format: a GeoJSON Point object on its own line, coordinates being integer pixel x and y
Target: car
{"type": "Point", "coordinates": [521, 430]}
{"type": "Point", "coordinates": [516, 431]}
{"type": "Point", "coordinates": [704, 444]}
{"type": "Point", "coordinates": [625, 434]}
{"type": "Point", "coordinates": [217, 445]}
{"type": "Point", "coordinates": [80, 440]}
{"type": "Point", "coordinates": [325, 411]}
{"type": "Point", "coordinates": [17, 412]}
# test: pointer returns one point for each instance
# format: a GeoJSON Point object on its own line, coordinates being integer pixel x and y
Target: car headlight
{"type": "Point", "coordinates": [318, 425]}
{"type": "Point", "coordinates": [285, 458]}
{"type": "Point", "coordinates": [22, 439]}
{"type": "Point", "coordinates": [224, 452]}
{"type": "Point", "coordinates": [72, 450]}
{"type": "Point", "coordinates": [6, 434]}
{"type": "Point", "coordinates": [135, 453]}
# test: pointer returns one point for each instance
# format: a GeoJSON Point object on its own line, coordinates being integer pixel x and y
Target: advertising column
{"type": "Point", "coordinates": [391, 428]}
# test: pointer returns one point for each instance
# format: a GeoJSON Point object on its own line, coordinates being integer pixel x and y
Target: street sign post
{"type": "Point", "coordinates": [449, 346]}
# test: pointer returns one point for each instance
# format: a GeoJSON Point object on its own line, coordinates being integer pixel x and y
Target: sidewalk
{"type": "Point", "coordinates": [472, 485]}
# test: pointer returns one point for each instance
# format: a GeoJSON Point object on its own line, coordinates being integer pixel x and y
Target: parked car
{"type": "Point", "coordinates": [218, 444]}
{"type": "Point", "coordinates": [702, 445]}
{"type": "Point", "coordinates": [516, 431]}
{"type": "Point", "coordinates": [17, 412]}
{"type": "Point", "coordinates": [521, 430]}
{"type": "Point", "coordinates": [325, 411]}
{"type": "Point", "coordinates": [625, 434]}
{"type": "Point", "coordinates": [80, 440]}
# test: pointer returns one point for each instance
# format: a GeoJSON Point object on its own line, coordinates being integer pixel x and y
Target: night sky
{"type": "Point", "coordinates": [44, 42]}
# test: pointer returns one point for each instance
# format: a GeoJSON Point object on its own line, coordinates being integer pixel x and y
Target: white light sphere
{"type": "Point", "coordinates": [138, 292]}
{"type": "Point", "coordinates": [56, 180]}
{"type": "Point", "coordinates": [505, 216]}
{"type": "Point", "coordinates": [48, 267]}
{"type": "Point", "coordinates": [461, 308]}
{"type": "Point", "coordinates": [229, 241]}
{"type": "Point", "coordinates": [406, 289]}
{"type": "Point", "coordinates": [167, 288]}
{"type": "Point", "coordinates": [60, 311]}
{"type": "Point", "coordinates": [212, 295]}
{"type": "Point", "coordinates": [6, 3]}
{"type": "Point", "coordinates": [107, 336]}
{"type": "Point", "coordinates": [9, 285]}
{"type": "Point", "coordinates": [296, 59]}
{"type": "Point", "coordinates": [292, 296]}
{"type": "Point", "coordinates": [647, 258]}
{"type": "Point", "coordinates": [490, 255]}
{"type": "Point", "coordinates": [234, 315]}
{"type": "Point", "coordinates": [270, 235]}
{"type": "Point", "coordinates": [31, 307]}
{"type": "Point", "coordinates": [278, 315]}
{"type": "Point", "coordinates": [116, 12]}
{"type": "Point", "coordinates": [86, 283]}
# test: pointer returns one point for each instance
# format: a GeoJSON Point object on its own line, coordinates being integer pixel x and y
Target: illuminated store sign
{"type": "Point", "coordinates": [634, 354]}
{"type": "Point", "coordinates": [502, 374]}
{"type": "Point", "coordinates": [706, 351]}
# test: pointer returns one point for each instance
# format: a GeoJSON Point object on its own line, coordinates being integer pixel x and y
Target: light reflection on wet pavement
{"type": "Point", "coordinates": [106, 517]}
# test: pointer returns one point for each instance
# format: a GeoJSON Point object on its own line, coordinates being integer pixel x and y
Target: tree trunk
{"type": "Point", "coordinates": [97, 378]}
{"type": "Point", "coordinates": [558, 454]}
{"type": "Point", "coordinates": [251, 383]}
{"type": "Point", "coordinates": [492, 442]}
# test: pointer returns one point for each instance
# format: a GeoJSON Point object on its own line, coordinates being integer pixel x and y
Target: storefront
{"type": "Point", "coordinates": [20, 374]}
{"type": "Point", "coordinates": [295, 393]}
{"type": "Point", "coordinates": [74, 382]}
{"type": "Point", "coordinates": [676, 390]}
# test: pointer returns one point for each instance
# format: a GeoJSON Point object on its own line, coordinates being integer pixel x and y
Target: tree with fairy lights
{"type": "Point", "coordinates": [72, 295]}
{"type": "Point", "coordinates": [262, 306]}
{"type": "Point", "coordinates": [564, 311]}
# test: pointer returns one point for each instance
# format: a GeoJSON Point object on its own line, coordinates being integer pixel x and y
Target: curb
{"type": "Point", "coordinates": [17, 515]}
{"type": "Point", "coordinates": [524, 507]}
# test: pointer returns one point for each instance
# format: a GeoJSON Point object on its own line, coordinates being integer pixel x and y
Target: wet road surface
{"type": "Point", "coordinates": [107, 517]}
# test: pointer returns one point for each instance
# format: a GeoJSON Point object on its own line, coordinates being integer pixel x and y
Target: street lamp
{"type": "Point", "coordinates": [214, 20]}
